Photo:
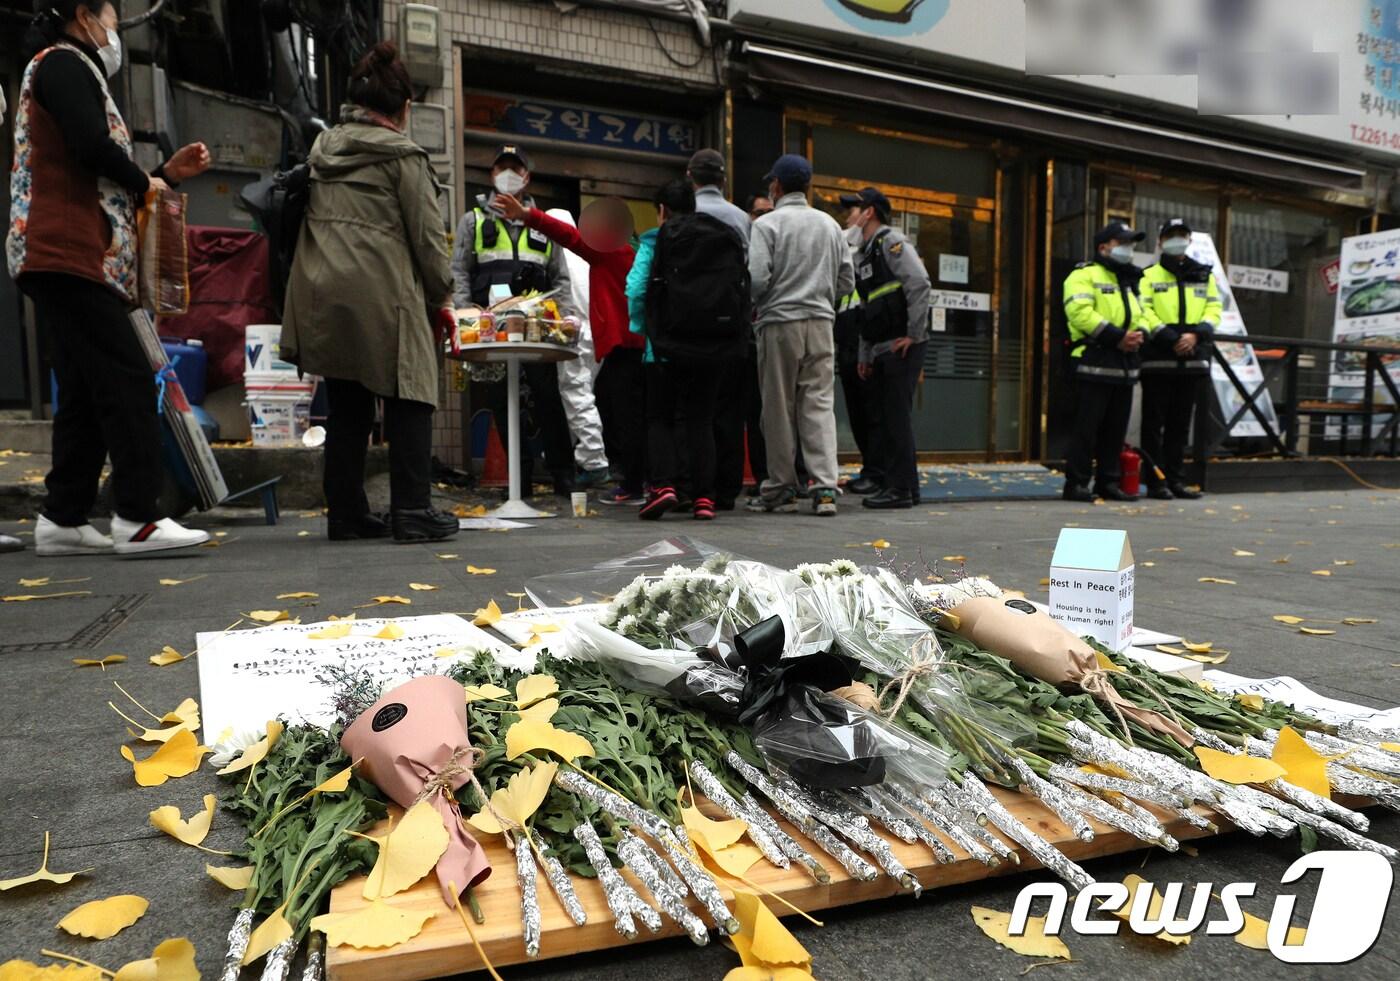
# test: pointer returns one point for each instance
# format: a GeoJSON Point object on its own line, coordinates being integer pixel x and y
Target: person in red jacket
{"type": "Point", "coordinates": [602, 238]}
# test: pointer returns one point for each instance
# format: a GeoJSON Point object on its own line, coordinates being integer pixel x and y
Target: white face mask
{"type": "Point", "coordinates": [111, 54]}
{"type": "Point", "coordinates": [1121, 253]}
{"type": "Point", "coordinates": [1176, 246]}
{"type": "Point", "coordinates": [509, 182]}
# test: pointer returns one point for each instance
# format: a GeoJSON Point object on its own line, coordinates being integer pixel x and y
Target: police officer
{"type": "Point", "coordinates": [862, 412]}
{"type": "Point", "coordinates": [1182, 296]}
{"type": "Point", "coordinates": [494, 259]}
{"type": "Point", "coordinates": [894, 291]}
{"type": "Point", "coordinates": [1107, 326]}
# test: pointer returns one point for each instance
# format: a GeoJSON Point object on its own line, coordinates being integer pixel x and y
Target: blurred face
{"type": "Point", "coordinates": [1176, 245]}
{"type": "Point", "coordinates": [1108, 247]}
{"type": "Point", "coordinates": [761, 207]}
{"type": "Point", "coordinates": [775, 190]}
{"type": "Point", "coordinates": [600, 228]}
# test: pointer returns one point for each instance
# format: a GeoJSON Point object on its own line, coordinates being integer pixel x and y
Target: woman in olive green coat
{"type": "Point", "coordinates": [372, 268]}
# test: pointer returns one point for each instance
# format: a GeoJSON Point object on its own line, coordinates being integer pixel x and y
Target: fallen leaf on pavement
{"type": "Point", "coordinates": [43, 875]}
{"type": "Point", "coordinates": [44, 596]}
{"type": "Point", "coordinates": [181, 582]}
{"type": "Point", "coordinates": [487, 615]}
{"type": "Point", "coordinates": [191, 832]}
{"type": "Point", "coordinates": [169, 655]}
{"type": "Point", "coordinates": [102, 919]}
{"type": "Point", "coordinates": [1358, 621]}
{"type": "Point", "coordinates": [88, 662]}
{"type": "Point", "coordinates": [1242, 554]}
{"type": "Point", "coordinates": [230, 877]}
{"type": "Point", "coordinates": [1136, 885]}
{"type": "Point", "coordinates": [1201, 648]}
{"type": "Point", "coordinates": [574, 602]}
{"type": "Point", "coordinates": [179, 756]}
{"type": "Point", "coordinates": [1315, 631]}
{"type": "Point", "coordinates": [386, 600]}
{"type": "Point", "coordinates": [303, 595]}
{"type": "Point", "coordinates": [267, 616]}
{"type": "Point", "coordinates": [1322, 572]}
{"type": "Point", "coordinates": [421, 587]}
{"type": "Point", "coordinates": [474, 570]}
{"type": "Point", "coordinates": [1222, 582]}
{"type": "Point", "coordinates": [1032, 943]}
{"type": "Point", "coordinates": [1288, 618]}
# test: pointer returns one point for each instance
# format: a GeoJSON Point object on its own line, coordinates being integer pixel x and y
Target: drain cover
{"type": "Point", "coordinates": [107, 614]}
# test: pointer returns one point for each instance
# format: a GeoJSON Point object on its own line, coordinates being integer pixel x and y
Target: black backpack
{"type": "Point", "coordinates": [279, 204]}
{"type": "Point", "coordinates": [698, 294]}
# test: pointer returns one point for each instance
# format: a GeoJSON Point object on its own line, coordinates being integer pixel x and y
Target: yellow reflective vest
{"type": "Point", "coordinates": [1100, 311]}
{"type": "Point", "coordinates": [1180, 306]}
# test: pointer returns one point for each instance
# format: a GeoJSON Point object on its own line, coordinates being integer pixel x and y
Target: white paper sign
{"type": "Point", "coordinates": [958, 300]}
{"type": "Point", "coordinates": [952, 268]}
{"type": "Point", "coordinates": [1091, 585]}
{"type": "Point", "coordinates": [1368, 314]}
{"type": "Point", "coordinates": [247, 677]}
{"type": "Point", "coordinates": [548, 624]}
{"type": "Point", "coordinates": [1254, 278]}
{"type": "Point", "coordinates": [937, 320]}
{"type": "Point", "coordinates": [1291, 691]}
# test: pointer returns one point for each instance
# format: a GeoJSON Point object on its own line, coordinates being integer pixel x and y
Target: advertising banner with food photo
{"type": "Point", "coordinates": [1240, 356]}
{"type": "Point", "coordinates": [1368, 313]}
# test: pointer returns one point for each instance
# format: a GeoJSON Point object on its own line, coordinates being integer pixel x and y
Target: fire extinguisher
{"type": "Point", "coordinates": [1131, 464]}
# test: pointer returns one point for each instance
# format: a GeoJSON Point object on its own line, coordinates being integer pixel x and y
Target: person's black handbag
{"type": "Point", "coordinates": [279, 204]}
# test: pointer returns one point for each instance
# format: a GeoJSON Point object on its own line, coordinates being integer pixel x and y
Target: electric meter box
{"type": "Point", "coordinates": [420, 43]}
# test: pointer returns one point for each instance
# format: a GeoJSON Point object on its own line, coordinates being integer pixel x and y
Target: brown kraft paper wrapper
{"type": "Point", "coordinates": [1044, 649]}
{"type": "Point", "coordinates": [403, 742]}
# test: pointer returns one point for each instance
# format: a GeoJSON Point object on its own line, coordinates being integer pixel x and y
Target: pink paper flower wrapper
{"type": "Point", "coordinates": [404, 741]}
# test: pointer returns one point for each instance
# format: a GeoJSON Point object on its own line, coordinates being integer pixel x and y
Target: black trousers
{"type": "Point", "coordinates": [620, 393]}
{"type": "Point", "coordinates": [542, 418]}
{"type": "Point", "coordinates": [1168, 403]}
{"type": "Point", "coordinates": [106, 401]}
{"type": "Point", "coordinates": [408, 429]}
{"type": "Point", "coordinates": [890, 397]}
{"type": "Point", "coordinates": [681, 399]}
{"type": "Point", "coordinates": [863, 412]}
{"type": "Point", "coordinates": [1100, 427]}
{"type": "Point", "coordinates": [735, 405]}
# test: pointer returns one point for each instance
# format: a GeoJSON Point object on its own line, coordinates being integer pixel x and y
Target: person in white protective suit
{"type": "Point", "coordinates": [576, 379]}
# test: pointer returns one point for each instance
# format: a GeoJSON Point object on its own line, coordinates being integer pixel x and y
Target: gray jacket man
{"type": "Point", "coordinates": [800, 265]}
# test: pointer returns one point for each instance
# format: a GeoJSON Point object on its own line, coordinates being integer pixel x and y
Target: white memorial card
{"type": "Point", "coordinates": [1091, 585]}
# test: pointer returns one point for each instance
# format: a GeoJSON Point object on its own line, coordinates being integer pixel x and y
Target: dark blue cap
{"type": "Point", "coordinates": [1118, 230]}
{"type": "Point", "coordinates": [869, 197]}
{"type": "Point", "coordinates": [791, 168]}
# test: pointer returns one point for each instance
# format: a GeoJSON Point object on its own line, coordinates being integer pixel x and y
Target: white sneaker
{"type": "Point", "coordinates": [133, 538]}
{"type": "Point", "coordinates": [8, 544]}
{"type": "Point", "coordinates": [54, 539]}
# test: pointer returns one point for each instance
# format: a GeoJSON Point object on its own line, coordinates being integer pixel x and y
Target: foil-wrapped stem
{"type": "Point", "coordinates": [315, 967]}
{"type": "Point", "coordinates": [238, 935]}
{"type": "Point", "coordinates": [643, 863]}
{"type": "Point", "coordinates": [910, 816]}
{"type": "Point", "coordinates": [1292, 793]}
{"type": "Point", "coordinates": [858, 833]}
{"type": "Point", "coordinates": [786, 805]}
{"type": "Point", "coordinates": [1361, 754]}
{"type": "Point", "coordinates": [1104, 812]}
{"type": "Point", "coordinates": [1324, 827]}
{"type": "Point", "coordinates": [896, 824]}
{"type": "Point", "coordinates": [971, 817]}
{"type": "Point", "coordinates": [701, 883]}
{"type": "Point", "coordinates": [564, 890]}
{"type": "Point", "coordinates": [755, 814]}
{"type": "Point", "coordinates": [1136, 789]}
{"type": "Point", "coordinates": [530, 918]}
{"type": "Point", "coordinates": [1045, 853]}
{"type": "Point", "coordinates": [278, 963]}
{"type": "Point", "coordinates": [616, 805]}
{"type": "Point", "coordinates": [1051, 796]}
{"type": "Point", "coordinates": [621, 898]}
{"type": "Point", "coordinates": [937, 812]}
{"type": "Point", "coordinates": [711, 787]}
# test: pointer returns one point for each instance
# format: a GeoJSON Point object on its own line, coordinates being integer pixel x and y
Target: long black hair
{"type": "Point", "coordinates": [52, 16]}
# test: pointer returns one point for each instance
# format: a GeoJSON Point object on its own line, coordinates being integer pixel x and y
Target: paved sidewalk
{"type": "Point", "coordinates": [60, 770]}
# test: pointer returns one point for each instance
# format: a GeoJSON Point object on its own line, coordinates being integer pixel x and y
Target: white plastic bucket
{"type": "Point", "coordinates": [261, 351]}
{"type": "Point", "coordinates": [279, 414]}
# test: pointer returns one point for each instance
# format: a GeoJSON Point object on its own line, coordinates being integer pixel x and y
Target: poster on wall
{"type": "Point", "coordinates": [1240, 356]}
{"type": "Point", "coordinates": [1368, 314]}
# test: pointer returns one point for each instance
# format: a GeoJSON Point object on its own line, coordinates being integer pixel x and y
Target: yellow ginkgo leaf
{"type": "Point", "coordinates": [545, 628]}
{"type": "Point", "coordinates": [186, 714]}
{"type": "Point", "coordinates": [1236, 767]}
{"type": "Point", "coordinates": [573, 602]}
{"type": "Point", "coordinates": [475, 571]}
{"type": "Point", "coordinates": [528, 737]}
{"type": "Point", "coordinates": [172, 960]}
{"type": "Point", "coordinates": [257, 751]}
{"type": "Point", "coordinates": [1391, 747]}
{"type": "Point", "coordinates": [1169, 649]}
{"type": "Point", "coordinates": [17, 970]}
{"type": "Point", "coordinates": [1341, 562]}
{"type": "Point", "coordinates": [44, 596]}
{"type": "Point", "coordinates": [168, 655]}
{"type": "Point", "coordinates": [386, 600]}
{"type": "Point", "coordinates": [336, 619]}
{"type": "Point", "coordinates": [736, 860]}
{"type": "Point", "coordinates": [485, 693]}
{"type": "Point", "coordinates": [235, 878]}
{"type": "Point", "coordinates": [1217, 658]}
{"type": "Point", "coordinates": [1316, 631]}
{"type": "Point", "coordinates": [391, 631]}
{"type": "Point", "coordinates": [179, 756]}
{"type": "Point", "coordinates": [267, 616]}
{"type": "Point", "coordinates": [488, 615]}
{"type": "Point", "coordinates": [302, 595]}
{"type": "Point", "coordinates": [43, 874]}
{"type": "Point", "coordinates": [88, 662]}
{"type": "Point", "coordinates": [336, 631]}
{"type": "Point", "coordinates": [268, 934]}
{"type": "Point", "coordinates": [1201, 648]}
{"type": "Point", "coordinates": [422, 587]}
{"type": "Point", "coordinates": [336, 784]}
{"type": "Point", "coordinates": [448, 555]}
{"type": "Point", "coordinates": [1322, 572]}
{"type": "Point", "coordinates": [1302, 765]}
{"type": "Point", "coordinates": [104, 918]}
{"type": "Point", "coordinates": [191, 832]}
{"type": "Point", "coordinates": [757, 972]}
{"type": "Point", "coordinates": [180, 582]}
{"type": "Point", "coordinates": [1136, 884]}
{"type": "Point", "coordinates": [1251, 701]}
{"type": "Point", "coordinates": [880, 543]}
{"type": "Point", "coordinates": [541, 711]}
{"type": "Point", "coordinates": [769, 942]}
{"type": "Point", "coordinates": [1288, 619]}
{"type": "Point", "coordinates": [1171, 548]}
{"type": "Point", "coordinates": [719, 834]}
{"type": "Point", "coordinates": [522, 795]}
{"type": "Point", "coordinates": [375, 925]}
{"type": "Point", "coordinates": [1358, 621]}
{"type": "Point", "coordinates": [408, 852]}
{"type": "Point", "coordinates": [1105, 662]}
{"type": "Point", "coordinates": [530, 690]}
{"type": "Point", "coordinates": [1032, 943]}
{"type": "Point", "coordinates": [1220, 582]}
{"type": "Point", "coordinates": [1255, 934]}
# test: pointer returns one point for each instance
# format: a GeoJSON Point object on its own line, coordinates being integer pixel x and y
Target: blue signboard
{"type": "Point", "coordinates": [579, 124]}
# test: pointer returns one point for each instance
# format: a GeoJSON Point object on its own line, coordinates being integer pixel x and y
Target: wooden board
{"type": "Point", "coordinates": [444, 948]}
